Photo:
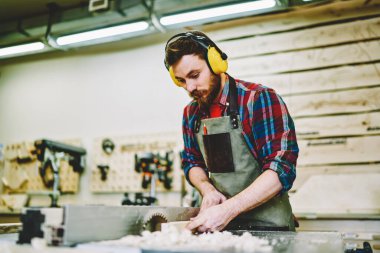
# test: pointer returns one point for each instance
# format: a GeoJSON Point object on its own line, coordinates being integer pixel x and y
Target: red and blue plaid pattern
{"type": "Point", "coordinates": [268, 131]}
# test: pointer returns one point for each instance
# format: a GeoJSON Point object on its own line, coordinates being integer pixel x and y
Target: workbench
{"type": "Point", "coordinates": [282, 242]}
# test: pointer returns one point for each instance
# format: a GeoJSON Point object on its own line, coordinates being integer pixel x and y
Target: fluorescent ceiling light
{"type": "Point", "coordinates": [102, 33]}
{"type": "Point", "coordinates": [19, 49]}
{"type": "Point", "coordinates": [216, 12]}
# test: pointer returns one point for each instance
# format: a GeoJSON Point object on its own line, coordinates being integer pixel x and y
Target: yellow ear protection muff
{"type": "Point", "coordinates": [215, 58]}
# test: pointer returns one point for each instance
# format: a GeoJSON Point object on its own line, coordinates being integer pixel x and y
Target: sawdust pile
{"type": "Point", "coordinates": [187, 242]}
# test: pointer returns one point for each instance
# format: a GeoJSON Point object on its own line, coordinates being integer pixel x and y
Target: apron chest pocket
{"type": "Point", "coordinates": [219, 153]}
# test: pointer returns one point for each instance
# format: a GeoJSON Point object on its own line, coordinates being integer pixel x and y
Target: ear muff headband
{"type": "Point", "coordinates": [215, 58]}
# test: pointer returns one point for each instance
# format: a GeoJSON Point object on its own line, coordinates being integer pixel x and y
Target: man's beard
{"type": "Point", "coordinates": [206, 97]}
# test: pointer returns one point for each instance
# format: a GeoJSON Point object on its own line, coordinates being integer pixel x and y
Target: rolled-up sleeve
{"type": "Point", "coordinates": [191, 155]}
{"type": "Point", "coordinates": [275, 138]}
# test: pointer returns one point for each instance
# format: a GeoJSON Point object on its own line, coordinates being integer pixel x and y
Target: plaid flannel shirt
{"type": "Point", "coordinates": [267, 126]}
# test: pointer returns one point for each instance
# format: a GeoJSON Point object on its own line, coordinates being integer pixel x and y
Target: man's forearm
{"type": "Point", "coordinates": [200, 180]}
{"type": "Point", "coordinates": [265, 187]}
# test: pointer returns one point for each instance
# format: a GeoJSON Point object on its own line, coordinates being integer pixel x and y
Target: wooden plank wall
{"type": "Point", "coordinates": [325, 63]}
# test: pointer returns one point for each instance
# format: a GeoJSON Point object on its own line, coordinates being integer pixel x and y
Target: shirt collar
{"type": "Point", "coordinates": [224, 95]}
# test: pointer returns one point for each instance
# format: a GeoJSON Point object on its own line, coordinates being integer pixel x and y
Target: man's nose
{"type": "Point", "coordinates": [191, 86]}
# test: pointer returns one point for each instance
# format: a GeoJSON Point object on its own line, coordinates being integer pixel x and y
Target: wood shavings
{"type": "Point", "coordinates": [185, 241]}
{"type": "Point", "coordinates": [38, 243]}
{"type": "Point", "coordinates": [5, 247]}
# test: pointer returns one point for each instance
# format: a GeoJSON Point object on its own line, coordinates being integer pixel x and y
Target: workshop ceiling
{"type": "Point", "coordinates": [19, 9]}
{"type": "Point", "coordinates": [25, 21]}
{"type": "Point", "coordinates": [22, 21]}
{"type": "Point", "coordinates": [13, 10]}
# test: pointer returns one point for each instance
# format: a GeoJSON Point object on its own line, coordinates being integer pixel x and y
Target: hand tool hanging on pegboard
{"type": "Point", "coordinates": [108, 146]}
{"type": "Point", "coordinates": [150, 164]}
{"type": "Point", "coordinates": [50, 154]}
{"type": "Point", "coordinates": [154, 168]}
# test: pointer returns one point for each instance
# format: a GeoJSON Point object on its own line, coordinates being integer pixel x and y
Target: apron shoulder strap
{"type": "Point", "coordinates": [233, 108]}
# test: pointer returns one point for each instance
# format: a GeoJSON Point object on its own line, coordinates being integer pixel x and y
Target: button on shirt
{"type": "Point", "coordinates": [267, 126]}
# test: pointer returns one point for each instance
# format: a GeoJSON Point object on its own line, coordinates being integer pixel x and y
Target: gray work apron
{"type": "Point", "coordinates": [232, 168]}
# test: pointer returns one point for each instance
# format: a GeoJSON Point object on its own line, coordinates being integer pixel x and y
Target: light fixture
{"type": "Point", "coordinates": [102, 33]}
{"type": "Point", "coordinates": [21, 49]}
{"type": "Point", "coordinates": [210, 13]}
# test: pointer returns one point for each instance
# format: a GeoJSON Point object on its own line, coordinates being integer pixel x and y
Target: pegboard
{"type": "Point", "coordinates": [121, 176]}
{"type": "Point", "coordinates": [21, 170]}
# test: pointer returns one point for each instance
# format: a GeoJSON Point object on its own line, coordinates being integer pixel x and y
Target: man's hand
{"type": "Point", "coordinates": [213, 209]}
{"type": "Point", "coordinates": [210, 195]}
{"type": "Point", "coordinates": [214, 218]}
{"type": "Point", "coordinates": [211, 198]}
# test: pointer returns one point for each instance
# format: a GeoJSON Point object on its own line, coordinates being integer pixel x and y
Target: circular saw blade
{"type": "Point", "coordinates": [153, 221]}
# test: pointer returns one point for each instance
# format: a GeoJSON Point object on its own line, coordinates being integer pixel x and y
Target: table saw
{"type": "Point", "coordinates": [82, 227]}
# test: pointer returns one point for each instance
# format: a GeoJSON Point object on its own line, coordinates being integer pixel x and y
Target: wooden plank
{"type": "Point", "coordinates": [342, 125]}
{"type": "Point", "coordinates": [10, 228]}
{"type": "Point", "coordinates": [339, 150]}
{"type": "Point", "coordinates": [307, 59]}
{"type": "Point", "coordinates": [298, 18]}
{"type": "Point", "coordinates": [339, 193]}
{"type": "Point", "coordinates": [360, 226]}
{"type": "Point", "coordinates": [304, 172]}
{"type": "Point", "coordinates": [313, 37]}
{"type": "Point", "coordinates": [322, 80]}
{"type": "Point", "coordinates": [360, 100]}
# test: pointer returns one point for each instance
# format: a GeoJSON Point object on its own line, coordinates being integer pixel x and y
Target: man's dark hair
{"type": "Point", "coordinates": [184, 46]}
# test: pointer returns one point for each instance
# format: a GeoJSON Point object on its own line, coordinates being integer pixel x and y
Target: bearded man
{"type": "Point", "coordinates": [240, 148]}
